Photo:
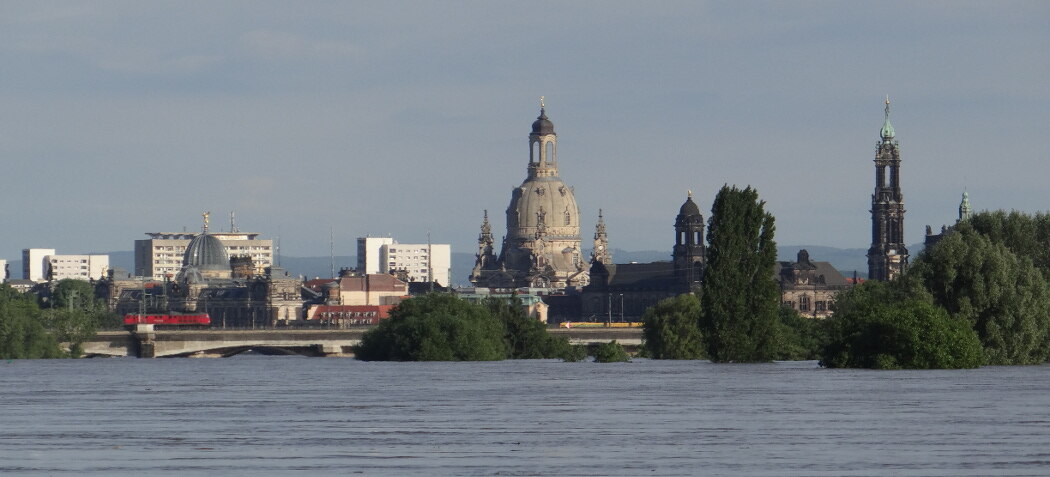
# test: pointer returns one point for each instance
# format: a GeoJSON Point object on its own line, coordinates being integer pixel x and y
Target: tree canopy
{"type": "Point", "coordinates": [527, 337]}
{"type": "Point", "coordinates": [978, 280]}
{"type": "Point", "coordinates": [741, 297]}
{"type": "Point", "coordinates": [441, 327]}
{"type": "Point", "coordinates": [671, 329]}
{"type": "Point", "coordinates": [21, 333]}
{"type": "Point", "coordinates": [435, 327]}
{"type": "Point", "coordinates": [877, 325]}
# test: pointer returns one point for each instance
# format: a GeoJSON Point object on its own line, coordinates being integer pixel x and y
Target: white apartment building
{"type": "Point", "coordinates": [161, 254]}
{"type": "Point", "coordinates": [34, 263]}
{"type": "Point", "coordinates": [369, 261]}
{"type": "Point", "coordinates": [42, 264]}
{"type": "Point", "coordinates": [422, 262]}
{"type": "Point", "coordinates": [3, 271]}
{"type": "Point", "coordinates": [79, 267]}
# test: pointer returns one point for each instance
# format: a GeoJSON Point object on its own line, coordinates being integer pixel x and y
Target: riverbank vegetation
{"type": "Point", "coordinates": [33, 328]}
{"type": "Point", "coordinates": [980, 295]}
{"type": "Point", "coordinates": [441, 327]}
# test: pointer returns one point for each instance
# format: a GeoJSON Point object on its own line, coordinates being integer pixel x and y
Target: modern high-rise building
{"type": "Point", "coordinates": [368, 254]}
{"type": "Point", "coordinates": [416, 262]}
{"type": "Point", "coordinates": [162, 253]}
{"type": "Point", "coordinates": [79, 267]}
{"type": "Point", "coordinates": [43, 264]}
{"type": "Point", "coordinates": [34, 263]}
{"type": "Point", "coordinates": [420, 262]}
{"type": "Point", "coordinates": [888, 255]}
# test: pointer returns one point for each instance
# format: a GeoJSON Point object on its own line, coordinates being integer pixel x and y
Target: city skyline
{"type": "Point", "coordinates": [122, 118]}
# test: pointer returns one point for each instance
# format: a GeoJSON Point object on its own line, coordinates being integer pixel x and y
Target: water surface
{"type": "Point", "coordinates": [255, 415]}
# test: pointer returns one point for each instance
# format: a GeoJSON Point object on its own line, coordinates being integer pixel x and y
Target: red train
{"type": "Point", "coordinates": [199, 319]}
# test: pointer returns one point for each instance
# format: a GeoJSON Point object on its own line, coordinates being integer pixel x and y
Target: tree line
{"type": "Point", "coordinates": [33, 327]}
{"type": "Point", "coordinates": [980, 295]}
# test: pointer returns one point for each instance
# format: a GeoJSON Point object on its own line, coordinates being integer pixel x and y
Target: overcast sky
{"type": "Point", "coordinates": [120, 118]}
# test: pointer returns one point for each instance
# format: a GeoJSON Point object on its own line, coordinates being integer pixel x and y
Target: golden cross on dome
{"type": "Point", "coordinates": [541, 102]}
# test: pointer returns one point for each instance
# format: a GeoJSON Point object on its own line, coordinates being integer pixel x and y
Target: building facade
{"type": "Point", "coordinates": [161, 254]}
{"type": "Point", "coordinates": [34, 263]}
{"type": "Point", "coordinates": [369, 250]}
{"type": "Point", "coordinates": [622, 292]}
{"type": "Point", "coordinates": [888, 255]}
{"type": "Point", "coordinates": [809, 287]}
{"type": "Point", "coordinates": [411, 262]}
{"type": "Point", "coordinates": [418, 262]}
{"type": "Point", "coordinates": [205, 281]}
{"type": "Point", "coordinates": [77, 267]}
{"type": "Point", "coordinates": [542, 246]}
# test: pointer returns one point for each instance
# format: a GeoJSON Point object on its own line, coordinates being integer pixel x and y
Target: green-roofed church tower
{"type": "Point", "coordinates": [888, 255]}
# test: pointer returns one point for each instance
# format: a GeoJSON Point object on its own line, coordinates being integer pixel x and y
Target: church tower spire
{"type": "Point", "coordinates": [965, 211]}
{"type": "Point", "coordinates": [888, 255]}
{"type": "Point", "coordinates": [485, 258]}
{"type": "Point", "coordinates": [601, 242]}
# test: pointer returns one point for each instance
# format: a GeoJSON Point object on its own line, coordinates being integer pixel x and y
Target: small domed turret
{"type": "Point", "coordinates": [542, 126]}
{"type": "Point", "coordinates": [689, 208]}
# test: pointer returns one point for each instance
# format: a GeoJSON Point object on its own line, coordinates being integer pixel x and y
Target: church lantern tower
{"type": "Point", "coordinates": [689, 252]}
{"type": "Point", "coordinates": [888, 255]}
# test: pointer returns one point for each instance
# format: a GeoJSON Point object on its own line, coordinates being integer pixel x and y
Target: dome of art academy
{"type": "Point", "coordinates": [205, 258]}
{"type": "Point", "coordinates": [206, 252]}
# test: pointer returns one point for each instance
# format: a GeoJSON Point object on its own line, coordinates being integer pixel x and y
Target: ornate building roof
{"type": "Point", "coordinates": [206, 252]}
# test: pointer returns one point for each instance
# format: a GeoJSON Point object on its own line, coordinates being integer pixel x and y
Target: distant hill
{"type": "Point", "coordinates": [846, 260]}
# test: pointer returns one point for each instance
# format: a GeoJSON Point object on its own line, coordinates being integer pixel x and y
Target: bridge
{"type": "Point", "coordinates": [147, 342]}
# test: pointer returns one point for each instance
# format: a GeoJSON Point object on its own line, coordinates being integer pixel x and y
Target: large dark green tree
{"type": "Point", "coordinates": [671, 329]}
{"type": "Point", "coordinates": [21, 333]}
{"type": "Point", "coordinates": [741, 297]}
{"type": "Point", "coordinates": [435, 327]}
{"type": "Point", "coordinates": [1023, 234]}
{"type": "Point", "coordinates": [980, 281]}
{"type": "Point", "coordinates": [886, 326]}
{"type": "Point", "coordinates": [527, 337]}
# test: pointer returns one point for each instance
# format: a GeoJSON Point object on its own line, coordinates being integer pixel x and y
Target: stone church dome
{"type": "Point", "coordinates": [206, 252]}
{"type": "Point", "coordinates": [546, 197]}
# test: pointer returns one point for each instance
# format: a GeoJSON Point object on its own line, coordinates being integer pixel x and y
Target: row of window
{"type": "Point", "coordinates": [804, 305]}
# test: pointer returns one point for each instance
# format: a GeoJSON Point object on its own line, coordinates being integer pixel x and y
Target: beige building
{"type": "Point", "coordinates": [162, 253]}
{"type": "Point", "coordinates": [809, 287]}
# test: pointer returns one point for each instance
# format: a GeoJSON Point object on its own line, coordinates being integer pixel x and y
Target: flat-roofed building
{"type": "Point", "coordinates": [161, 254]}
{"type": "Point", "coordinates": [419, 262]}
{"type": "Point", "coordinates": [412, 262]}
{"type": "Point", "coordinates": [78, 267]}
{"type": "Point", "coordinates": [368, 254]}
{"type": "Point", "coordinates": [34, 263]}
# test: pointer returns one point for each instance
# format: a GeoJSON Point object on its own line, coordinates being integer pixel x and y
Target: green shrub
{"type": "Point", "coordinates": [611, 352]}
